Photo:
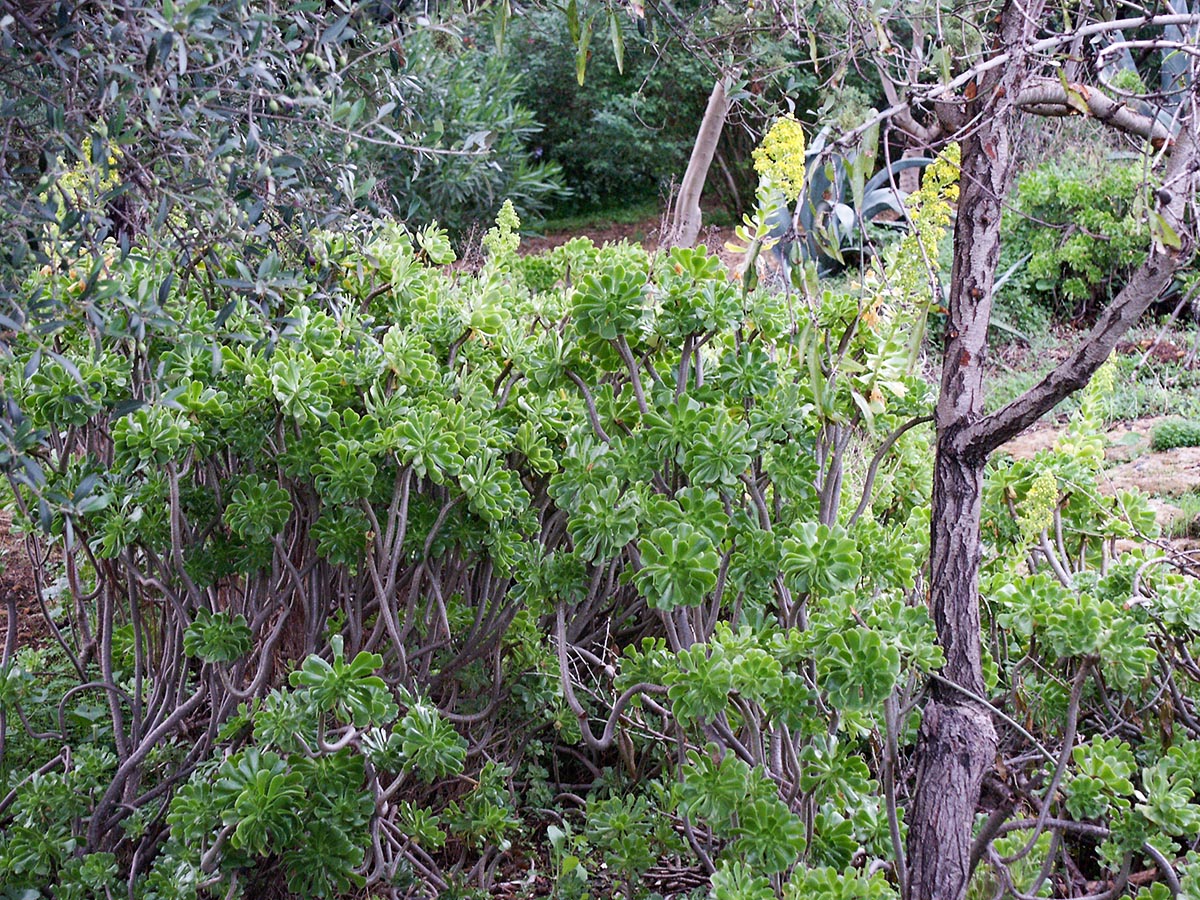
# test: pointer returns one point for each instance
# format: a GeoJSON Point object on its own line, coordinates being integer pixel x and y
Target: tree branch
{"type": "Point", "coordinates": [1049, 97]}
{"type": "Point", "coordinates": [873, 469]}
{"type": "Point", "coordinates": [1143, 288]}
{"type": "Point", "coordinates": [947, 91]}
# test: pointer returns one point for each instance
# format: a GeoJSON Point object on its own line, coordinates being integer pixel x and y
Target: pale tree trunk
{"type": "Point", "coordinates": [684, 226]}
{"type": "Point", "coordinates": [909, 180]}
{"type": "Point", "coordinates": [957, 743]}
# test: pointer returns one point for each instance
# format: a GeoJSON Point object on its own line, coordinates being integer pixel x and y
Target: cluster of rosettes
{"type": "Point", "coordinates": [780, 157]}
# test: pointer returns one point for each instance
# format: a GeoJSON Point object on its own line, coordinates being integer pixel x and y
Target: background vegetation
{"type": "Point", "coordinates": [364, 570]}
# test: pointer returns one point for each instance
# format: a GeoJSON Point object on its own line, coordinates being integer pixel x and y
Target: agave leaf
{"type": "Point", "coordinates": [885, 175]}
{"type": "Point", "coordinates": [1012, 270]}
{"type": "Point", "coordinates": [880, 199]}
{"type": "Point", "coordinates": [1001, 325]}
{"type": "Point", "coordinates": [1176, 72]}
{"type": "Point", "coordinates": [818, 143]}
{"type": "Point", "coordinates": [862, 164]}
{"type": "Point", "coordinates": [779, 216]}
{"type": "Point", "coordinates": [847, 221]}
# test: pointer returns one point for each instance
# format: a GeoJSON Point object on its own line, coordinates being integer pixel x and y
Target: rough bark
{"type": "Point", "coordinates": [957, 743]}
{"type": "Point", "coordinates": [1048, 97]}
{"type": "Point", "coordinates": [956, 746]}
{"type": "Point", "coordinates": [684, 226]}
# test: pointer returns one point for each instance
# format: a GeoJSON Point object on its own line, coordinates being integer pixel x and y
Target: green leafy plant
{"type": "Point", "coordinates": [351, 688]}
{"type": "Point", "coordinates": [474, 102]}
{"type": "Point", "coordinates": [394, 559]}
{"type": "Point", "coordinates": [1077, 230]}
{"type": "Point", "coordinates": [217, 637]}
{"type": "Point", "coordinates": [1178, 433]}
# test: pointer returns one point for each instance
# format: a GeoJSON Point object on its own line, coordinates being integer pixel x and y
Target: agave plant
{"type": "Point", "coordinates": [828, 223]}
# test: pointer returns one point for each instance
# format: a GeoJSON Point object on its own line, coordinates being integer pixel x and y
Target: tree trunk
{"type": "Point", "coordinates": [684, 226]}
{"type": "Point", "coordinates": [957, 742]}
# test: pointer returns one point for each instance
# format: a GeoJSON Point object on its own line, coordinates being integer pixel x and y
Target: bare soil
{"type": "Point", "coordinates": [17, 590]}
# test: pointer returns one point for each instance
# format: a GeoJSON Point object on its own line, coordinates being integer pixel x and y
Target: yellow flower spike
{"type": "Point", "coordinates": [780, 157]}
{"type": "Point", "coordinates": [1041, 501]}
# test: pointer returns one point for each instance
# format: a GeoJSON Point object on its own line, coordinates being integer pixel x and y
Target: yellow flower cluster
{"type": "Point", "coordinates": [76, 180]}
{"type": "Point", "coordinates": [1037, 512]}
{"type": "Point", "coordinates": [780, 156]}
{"type": "Point", "coordinates": [906, 273]}
{"type": "Point", "coordinates": [82, 186]}
{"type": "Point", "coordinates": [1084, 440]}
{"type": "Point", "coordinates": [502, 241]}
{"type": "Point", "coordinates": [939, 188]}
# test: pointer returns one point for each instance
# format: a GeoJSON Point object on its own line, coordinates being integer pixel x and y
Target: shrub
{"type": "Point", "coordinates": [468, 100]}
{"type": "Point", "coordinates": [1081, 224]}
{"type": "Point", "coordinates": [245, 121]}
{"type": "Point", "coordinates": [367, 560]}
{"type": "Point", "coordinates": [622, 136]}
{"type": "Point", "coordinates": [1177, 433]}
{"type": "Point", "coordinates": [618, 136]}
{"type": "Point", "coordinates": [348, 505]}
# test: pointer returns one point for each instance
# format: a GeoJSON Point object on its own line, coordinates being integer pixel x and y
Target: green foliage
{"type": "Point", "coordinates": [1076, 231]}
{"type": "Point", "coordinates": [257, 509]}
{"type": "Point", "coordinates": [1177, 433]}
{"type": "Point", "coordinates": [376, 439]}
{"type": "Point", "coordinates": [625, 130]}
{"type": "Point", "coordinates": [473, 103]}
{"type": "Point", "coordinates": [618, 136]}
{"type": "Point", "coordinates": [737, 881]}
{"type": "Point", "coordinates": [349, 688]}
{"type": "Point", "coordinates": [858, 671]}
{"type": "Point", "coordinates": [391, 550]}
{"type": "Point", "coordinates": [621, 828]}
{"type": "Point", "coordinates": [678, 567]}
{"type": "Point", "coordinates": [260, 798]}
{"type": "Point", "coordinates": [217, 637]}
{"type": "Point", "coordinates": [1104, 769]}
{"type": "Point", "coordinates": [828, 883]}
{"type": "Point", "coordinates": [288, 95]}
{"type": "Point", "coordinates": [611, 304]}
{"type": "Point", "coordinates": [820, 559]}
{"type": "Point", "coordinates": [429, 743]}
{"type": "Point", "coordinates": [1067, 606]}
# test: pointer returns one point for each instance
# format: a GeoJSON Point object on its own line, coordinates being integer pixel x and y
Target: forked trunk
{"type": "Point", "coordinates": [957, 743]}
